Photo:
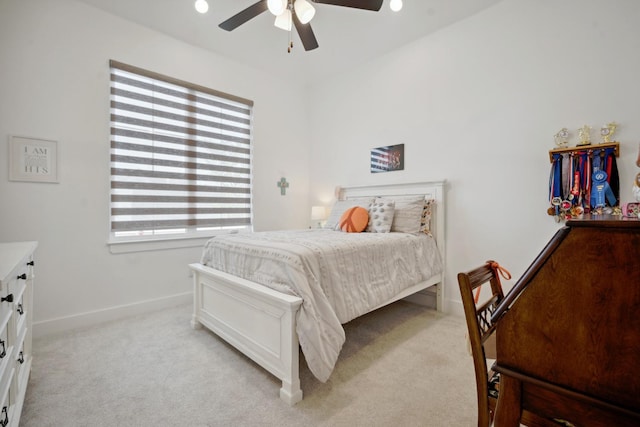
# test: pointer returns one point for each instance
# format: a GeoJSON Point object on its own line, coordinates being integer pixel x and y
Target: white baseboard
{"type": "Point", "coordinates": [64, 324]}
{"type": "Point", "coordinates": [68, 323]}
{"type": "Point", "coordinates": [426, 298]}
{"type": "Point", "coordinates": [455, 308]}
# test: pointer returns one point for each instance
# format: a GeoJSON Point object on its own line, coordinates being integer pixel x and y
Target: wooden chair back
{"type": "Point", "coordinates": [482, 340]}
{"type": "Point", "coordinates": [480, 329]}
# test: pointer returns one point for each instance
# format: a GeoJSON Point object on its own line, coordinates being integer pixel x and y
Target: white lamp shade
{"type": "Point", "coordinates": [277, 6]}
{"type": "Point", "coordinates": [395, 5]}
{"type": "Point", "coordinates": [304, 11]}
{"type": "Point", "coordinates": [202, 6]}
{"type": "Point", "coordinates": [283, 21]}
{"type": "Point", "coordinates": [317, 213]}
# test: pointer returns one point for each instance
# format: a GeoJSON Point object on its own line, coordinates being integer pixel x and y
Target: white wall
{"type": "Point", "coordinates": [54, 84]}
{"type": "Point", "coordinates": [478, 104]}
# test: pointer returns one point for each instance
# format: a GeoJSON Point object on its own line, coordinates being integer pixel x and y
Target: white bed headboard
{"type": "Point", "coordinates": [430, 189]}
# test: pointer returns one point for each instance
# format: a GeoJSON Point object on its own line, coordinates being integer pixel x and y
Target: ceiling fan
{"type": "Point", "coordinates": [298, 12]}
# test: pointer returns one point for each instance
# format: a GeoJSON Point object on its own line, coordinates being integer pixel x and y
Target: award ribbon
{"type": "Point", "coordinates": [555, 182]}
{"type": "Point", "coordinates": [611, 167]}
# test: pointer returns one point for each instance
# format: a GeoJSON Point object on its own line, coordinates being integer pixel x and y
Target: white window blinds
{"type": "Point", "coordinates": [180, 156]}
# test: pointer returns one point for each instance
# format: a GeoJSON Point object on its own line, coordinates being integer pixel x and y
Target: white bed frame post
{"type": "Point", "coordinates": [290, 391]}
{"type": "Point", "coordinates": [438, 231]}
{"type": "Point", "coordinates": [197, 301]}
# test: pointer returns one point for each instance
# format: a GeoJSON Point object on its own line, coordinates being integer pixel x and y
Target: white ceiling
{"type": "Point", "coordinates": [347, 37]}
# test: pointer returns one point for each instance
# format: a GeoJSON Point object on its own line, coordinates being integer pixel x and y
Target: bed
{"type": "Point", "coordinates": [269, 319]}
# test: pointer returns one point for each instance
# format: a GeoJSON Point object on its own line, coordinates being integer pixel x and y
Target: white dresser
{"type": "Point", "coordinates": [16, 302]}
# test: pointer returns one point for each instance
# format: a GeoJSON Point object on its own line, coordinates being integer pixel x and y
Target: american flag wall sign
{"type": "Point", "coordinates": [389, 158]}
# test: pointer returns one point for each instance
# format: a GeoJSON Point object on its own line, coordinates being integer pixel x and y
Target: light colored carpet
{"type": "Point", "coordinates": [403, 365]}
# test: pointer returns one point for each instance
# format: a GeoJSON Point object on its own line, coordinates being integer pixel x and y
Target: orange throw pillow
{"type": "Point", "coordinates": [354, 220]}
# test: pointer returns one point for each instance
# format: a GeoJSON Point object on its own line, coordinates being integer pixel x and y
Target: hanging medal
{"type": "Point", "coordinates": [555, 186]}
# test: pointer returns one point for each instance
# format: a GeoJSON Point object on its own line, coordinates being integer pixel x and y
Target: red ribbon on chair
{"type": "Point", "coordinates": [499, 271]}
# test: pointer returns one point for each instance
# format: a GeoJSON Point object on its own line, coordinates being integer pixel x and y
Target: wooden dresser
{"type": "Point", "coordinates": [16, 295]}
{"type": "Point", "coordinates": [568, 333]}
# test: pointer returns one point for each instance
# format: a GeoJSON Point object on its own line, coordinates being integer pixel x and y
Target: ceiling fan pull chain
{"type": "Point", "coordinates": [290, 44]}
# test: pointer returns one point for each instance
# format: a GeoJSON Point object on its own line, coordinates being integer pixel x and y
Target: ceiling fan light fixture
{"type": "Point", "coordinates": [304, 11]}
{"type": "Point", "coordinates": [201, 6]}
{"type": "Point", "coordinates": [395, 5]}
{"type": "Point", "coordinates": [283, 21]}
{"type": "Point", "coordinates": [277, 6]}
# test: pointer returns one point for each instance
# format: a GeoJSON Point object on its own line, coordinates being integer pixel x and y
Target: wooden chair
{"type": "Point", "coordinates": [482, 341]}
{"type": "Point", "coordinates": [480, 330]}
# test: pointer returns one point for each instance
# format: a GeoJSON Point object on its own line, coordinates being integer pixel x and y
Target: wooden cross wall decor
{"type": "Point", "coordinates": [283, 184]}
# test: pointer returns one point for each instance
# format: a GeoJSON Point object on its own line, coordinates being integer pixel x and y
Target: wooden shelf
{"type": "Point", "coordinates": [602, 146]}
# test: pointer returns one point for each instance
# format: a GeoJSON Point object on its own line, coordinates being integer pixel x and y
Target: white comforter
{"type": "Point", "coordinates": [339, 276]}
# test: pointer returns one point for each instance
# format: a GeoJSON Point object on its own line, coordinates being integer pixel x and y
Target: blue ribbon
{"type": "Point", "coordinates": [596, 160]}
{"type": "Point", "coordinates": [556, 181]}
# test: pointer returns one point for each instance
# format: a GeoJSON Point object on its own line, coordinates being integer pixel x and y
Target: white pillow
{"type": "Point", "coordinates": [342, 205]}
{"type": "Point", "coordinates": [408, 214]}
{"type": "Point", "coordinates": [380, 215]}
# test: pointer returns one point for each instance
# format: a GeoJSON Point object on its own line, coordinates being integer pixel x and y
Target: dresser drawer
{"type": "Point", "coordinates": [7, 406]}
{"type": "Point", "coordinates": [23, 364]}
{"type": "Point", "coordinates": [16, 299]}
{"type": "Point", "coordinates": [6, 344]}
{"type": "Point", "coordinates": [22, 270]}
{"type": "Point", "coordinates": [20, 308]}
{"type": "Point", "coordinates": [14, 285]}
{"type": "Point", "coordinates": [7, 306]}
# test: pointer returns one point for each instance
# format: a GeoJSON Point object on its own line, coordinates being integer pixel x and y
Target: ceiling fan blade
{"type": "Point", "coordinates": [240, 18]}
{"type": "Point", "coordinates": [306, 34]}
{"type": "Point", "coordinates": [374, 5]}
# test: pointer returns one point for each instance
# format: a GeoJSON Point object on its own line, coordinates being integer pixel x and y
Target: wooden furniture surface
{"type": "Point", "coordinates": [568, 333]}
{"type": "Point", "coordinates": [16, 301]}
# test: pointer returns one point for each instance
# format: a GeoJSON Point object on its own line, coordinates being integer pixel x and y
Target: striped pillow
{"type": "Point", "coordinates": [407, 214]}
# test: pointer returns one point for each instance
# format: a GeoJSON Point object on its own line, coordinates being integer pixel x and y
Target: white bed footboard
{"type": "Point", "coordinates": [258, 321]}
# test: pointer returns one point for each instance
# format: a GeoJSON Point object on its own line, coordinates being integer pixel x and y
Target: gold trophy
{"type": "Point", "coordinates": [562, 137]}
{"type": "Point", "coordinates": [607, 132]}
{"type": "Point", "coordinates": [584, 133]}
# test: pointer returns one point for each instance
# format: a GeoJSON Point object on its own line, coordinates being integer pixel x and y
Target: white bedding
{"type": "Point", "coordinates": [339, 276]}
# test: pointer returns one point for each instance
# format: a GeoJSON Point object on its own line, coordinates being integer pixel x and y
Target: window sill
{"type": "Point", "coordinates": [123, 247]}
{"type": "Point", "coordinates": [158, 244]}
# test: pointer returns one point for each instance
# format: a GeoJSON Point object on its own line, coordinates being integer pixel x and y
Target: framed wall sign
{"type": "Point", "coordinates": [388, 158]}
{"type": "Point", "coordinates": [34, 160]}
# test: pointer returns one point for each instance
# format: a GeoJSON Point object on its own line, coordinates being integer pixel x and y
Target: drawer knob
{"type": "Point", "coordinates": [5, 421]}
{"type": "Point", "coordinates": [31, 263]}
{"type": "Point", "coordinates": [21, 358]}
{"type": "Point", "coordinates": [20, 309]}
{"type": "Point", "coordinates": [23, 276]}
{"type": "Point", "coordinates": [8, 298]}
{"type": "Point", "coordinates": [3, 352]}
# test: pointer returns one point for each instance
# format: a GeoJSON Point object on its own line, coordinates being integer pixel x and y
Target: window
{"type": "Point", "coordinates": [180, 157]}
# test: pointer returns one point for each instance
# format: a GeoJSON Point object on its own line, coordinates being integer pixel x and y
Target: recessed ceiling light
{"type": "Point", "coordinates": [395, 5]}
{"type": "Point", "coordinates": [202, 6]}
